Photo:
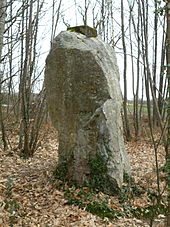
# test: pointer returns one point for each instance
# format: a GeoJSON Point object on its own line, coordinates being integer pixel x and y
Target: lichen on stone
{"type": "Point", "coordinates": [85, 30]}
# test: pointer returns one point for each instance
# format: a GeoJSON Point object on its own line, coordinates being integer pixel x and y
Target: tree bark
{"type": "Point", "coordinates": [126, 122]}
{"type": "Point", "coordinates": [168, 109]}
{"type": "Point", "coordinates": [2, 28]}
{"type": "Point", "coordinates": [2, 22]}
{"type": "Point", "coordinates": [155, 52]}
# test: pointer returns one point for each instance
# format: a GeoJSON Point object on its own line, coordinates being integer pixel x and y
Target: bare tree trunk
{"type": "Point", "coordinates": [26, 80]}
{"type": "Point", "coordinates": [4, 140]}
{"type": "Point", "coordinates": [30, 20]}
{"type": "Point", "coordinates": [2, 28]}
{"type": "Point", "coordinates": [149, 87]}
{"type": "Point", "coordinates": [168, 109]}
{"type": "Point", "coordinates": [135, 83]}
{"type": "Point", "coordinates": [85, 12]}
{"type": "Point", "coordinates": [55, 18]}
{"type": "Point", "coordinates": [2, 23]}
{"type": "Point", "coordinates": [22, 24]}
{"type": "Point", "coordinates": [155, 47]}
{"type": "Point", "coordinates": [161, 97]}
{"type": "Point", "coordinates": [126, 122]}
{"type": "Point", "coordinates": [136, 102]}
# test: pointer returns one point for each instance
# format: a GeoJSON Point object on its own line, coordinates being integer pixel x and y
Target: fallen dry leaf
{"type": "Point", "coordinates": [28, 198]}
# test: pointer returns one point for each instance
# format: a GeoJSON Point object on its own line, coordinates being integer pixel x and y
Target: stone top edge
{"type": "Point", "coordinates": [85, 30]}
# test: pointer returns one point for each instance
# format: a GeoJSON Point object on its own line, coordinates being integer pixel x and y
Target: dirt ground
{"type": "Point", "coordinates": [29, 197]}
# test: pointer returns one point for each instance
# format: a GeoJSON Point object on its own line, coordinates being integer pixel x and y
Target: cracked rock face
{"type": "Point", "coordinates": [84, 100]}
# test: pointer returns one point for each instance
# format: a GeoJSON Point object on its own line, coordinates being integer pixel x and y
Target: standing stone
{"type": "Point", "coordinates": [84, 100]}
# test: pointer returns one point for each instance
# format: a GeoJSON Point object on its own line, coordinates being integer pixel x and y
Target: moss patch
{"type": "Point", "coordinates": [85, 30]}
{"type": "Point", "coordinates": [99, 176]}
{"type": "Point", "coordinates": [62, 169]}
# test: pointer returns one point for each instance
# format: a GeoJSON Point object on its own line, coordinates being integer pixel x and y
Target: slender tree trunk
{"type": "Point", "coordinates": [149, 87]}
{"type": "Point", "coordinates": [168, 109]}
{"type": "Point", "coordinates": [102, 24]}
{"type": "Point", "coordinates": [55, 18]}
{"type": "Point", "coordinates": [85, 12]}
{"type": "Point", "coordinates": [2, 23]}
{"type": "Point", "coordinates": [126, 122]}
{"type": "Point", "coordinates": [135, 80]}
{"type": "Point", "coordinates": [2, 28]}
{"type": "Point", "coordinates": [162, 74]}
{"type": "Point", "coordinates": [155, 47]}
{"type": "Point", "coordinates": [137, 128]}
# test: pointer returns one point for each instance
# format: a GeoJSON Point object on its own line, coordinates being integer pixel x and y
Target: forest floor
{"type": "Point", "coordinates": [29, 197]}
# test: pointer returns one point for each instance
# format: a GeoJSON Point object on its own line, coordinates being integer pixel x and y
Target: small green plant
{"type": "Point", "coordinates": [12, 220]}
{"type": "Point", "coordinates": [79, 198]}
{"type": "Point", "coordinates": [102, 209]}
{"type": "Point", "coordinates": [9, 186]}
{"type": "Point", "coordinates": [127, 178]}
{"type": "Point", "coordinates": [87, 199]}
{"type": "Point", "coordinates": [129, 190]}
{"type": "Point", "coordinates": [150, 212]}
{"type": "Point", "coordinates": [61, 171]}
{"type": "Point", "coordinates": [99, 178]}
{"type": "Point", "coordinates": [11, 206]}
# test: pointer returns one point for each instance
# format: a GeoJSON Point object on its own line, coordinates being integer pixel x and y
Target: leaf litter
{"type": "Point", "coordinates": [29, 198]}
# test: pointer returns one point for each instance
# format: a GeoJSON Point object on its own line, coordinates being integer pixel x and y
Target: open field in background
{"type": "Point", "coordinates": [12, 101]}
{"type": "Point", "coordinates": [142, 107]}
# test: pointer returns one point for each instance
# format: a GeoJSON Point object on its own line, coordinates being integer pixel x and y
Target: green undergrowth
{"type": "Point", "coordinates": [98, 177]}
{"type": "Point", "coordinates": [90, 201]}
{"type": "Point", "coordinates": [97, 203]}
{"type": "Point", "coordinates": [154, 207]}
{"type": "Point", "coordinates": [9, 204]}
{"type": "Point", "coordinates": [149, 212]}
{"type": "Point", "coordinates": [88, 197]}
{"type": "Point", "coordinates": [131, 190]}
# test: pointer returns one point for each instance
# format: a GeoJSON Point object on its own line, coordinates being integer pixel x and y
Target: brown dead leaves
{"type": "Point", "coordinates": [28, 198]}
